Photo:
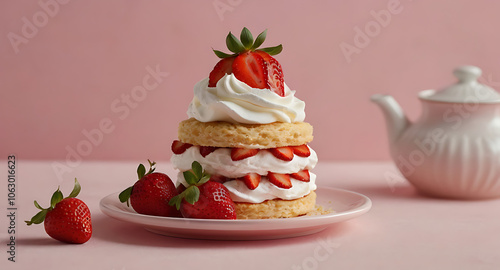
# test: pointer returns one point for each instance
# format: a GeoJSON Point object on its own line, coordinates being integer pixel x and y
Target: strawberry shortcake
{"type": "Point", "coordinates": [246, 128]}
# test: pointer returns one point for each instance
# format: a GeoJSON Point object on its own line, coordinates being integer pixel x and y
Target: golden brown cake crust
{"type": "Point", "coordinates": [276, 208]}
{"type": "Point", "coordinates": [225, 134]}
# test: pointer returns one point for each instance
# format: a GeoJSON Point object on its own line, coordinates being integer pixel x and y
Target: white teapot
{"type": "Point", "coordinates": [453, 149]}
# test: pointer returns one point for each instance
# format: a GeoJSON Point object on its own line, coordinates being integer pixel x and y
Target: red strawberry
{"type": "Point", "coordinates": [302, 175]}
{"type": "Point", "coordinates": [252, 180]}
{"type": "Point", "coordinates": [242, 153]}
{"type": "Point", "coordinates": [151, 193]}
{"type": "Point", "coordinates": [214, 202]}
{"type": "Point", "coordinates": [205, 150]}
{"type": "Point", "coordinates": [251, 69]}
{"type": "Point", "coordinates": [204, 198]}
{"type": "Point", "coordinates": [222, 68]}
{"type": "Point", "coordinates": [179, 147]}
{"type": "Point", "coordinates": [218, 178]}
{"type": "Point", "coordinates": [67, 219]}
{"type": "Point", "coordinates": [180, 188]}
{"type": "Point", "coordinates": [256, 67]}
{"type": "Point", "coordinates": [301, 150]}
{"type": "Point", "coordinates": [274, 80]}
{"type": "Point", "coordinates": [280, 180]}
{"type": "Point", "coordinates": [284, 153]}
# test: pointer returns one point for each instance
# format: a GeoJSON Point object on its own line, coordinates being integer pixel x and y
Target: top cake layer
{"type": "Point", "coordinates": [234, 101]}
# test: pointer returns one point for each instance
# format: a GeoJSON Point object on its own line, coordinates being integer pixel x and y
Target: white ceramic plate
{"type": "Point", "coordinates": [345, 205]}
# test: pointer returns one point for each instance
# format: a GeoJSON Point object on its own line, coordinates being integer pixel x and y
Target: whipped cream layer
{"type": "Point", "coordinates": [234, 101]}
{"type": "Point", "coordinates": [220, 162]}
{"type": "Point", "coordinates": [265, 191]}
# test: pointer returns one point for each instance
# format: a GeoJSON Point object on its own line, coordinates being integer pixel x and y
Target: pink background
{"type": "Point", "coordinates": [65, 68]}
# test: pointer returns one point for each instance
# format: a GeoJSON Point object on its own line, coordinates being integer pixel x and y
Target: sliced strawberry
{"type": "Point", "coordinates": [205, 150]}
{"type": "Point", "coordinates": [242, 153]}
{"type": "Point", "coordinates": [218, 178]}
{"type": "Point", "coordinates": [222, 68]}
{"type": "Point", "coordinates": [179, 147]}
{"type": "Point", "coordinates": [301, 150]}
{"type": "Point", "coordinates": [250, 68]}
{"type": "Point", "coordinates": [267, 57]}
{"type": "Point", "coordinates": [284, 153]}
{"type": "Point", "coordinates": [252, 180]}
{"type": "Point", "coordinates": [280, 180]}
{"type": "Point", "coordinates": [302, 175]}
{"type": "Point", "coordinates": [274, 80]}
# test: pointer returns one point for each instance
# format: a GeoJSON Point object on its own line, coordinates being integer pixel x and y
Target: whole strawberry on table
{"type": "Point", "coordinates": [67, 219]}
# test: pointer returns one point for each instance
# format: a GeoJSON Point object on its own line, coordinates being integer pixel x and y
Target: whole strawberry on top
{"type": "Point", "coordinates": [151, 193]}
{"type": "Point", "coordinates": [249, 64]}
{"type": "Point", "coordinates": [203, 198]}
{"type": "Point", "coordinates": [66, 219]}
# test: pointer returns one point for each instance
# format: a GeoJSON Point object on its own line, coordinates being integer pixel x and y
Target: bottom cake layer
{"type": "Point", "coordinates": [276, 208]}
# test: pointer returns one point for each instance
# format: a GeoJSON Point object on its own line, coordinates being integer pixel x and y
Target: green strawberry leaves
{"type": "Point", "coordinates": [124, 196]}
{"type": "Point", "coordinates": [233, 44]}
{"type": "Point", "coordinates": [192, 194]}
{"type": "Point", "coordinates": [272, 50]}
{"type": "Point", "coordinates": [55, 199]}
{"type": "Point", "coordinates": [246, 38]}
{"type": "Point", "coordinates": [259, 40]}
{"type": "Point", "coordinates": [38, 218]}
{"type": "Point", "coordinates": [76, 190]}
{"type": "Point", "coordinates": [141, 170]}
{"type": "Point", "coordinates": [195, 177]}
{"type": "Point", "coordinates": [247, 43]}
{"type": "Point", "coordinates": [222, 55]}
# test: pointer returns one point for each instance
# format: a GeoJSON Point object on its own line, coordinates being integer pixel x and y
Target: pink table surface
{"type": "Point", "coordinates": [403, 230]}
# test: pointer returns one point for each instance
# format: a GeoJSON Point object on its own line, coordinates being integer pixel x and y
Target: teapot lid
{"type": "Point", "coordinates": [466, 90]}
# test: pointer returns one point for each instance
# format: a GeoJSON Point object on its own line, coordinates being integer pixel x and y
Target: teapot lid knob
{"type": "Point", "coordinates": [467, 73]}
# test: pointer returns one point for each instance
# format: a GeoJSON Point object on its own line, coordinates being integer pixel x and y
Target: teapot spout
{"type": "Point", "coordinates": [395, 118]}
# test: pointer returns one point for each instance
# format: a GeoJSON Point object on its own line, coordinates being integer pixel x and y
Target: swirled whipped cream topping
{"type": "Point", "coordinates": [234, 101]}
